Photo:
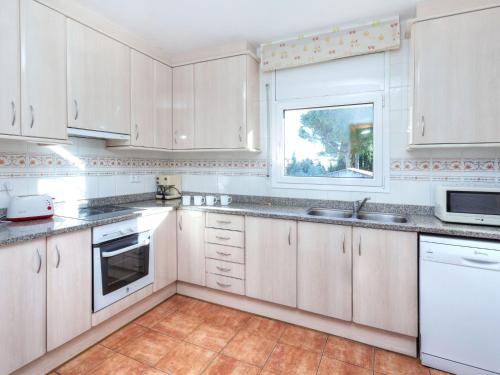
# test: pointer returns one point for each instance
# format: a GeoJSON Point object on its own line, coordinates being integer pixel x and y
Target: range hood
{"type": "Point", "coordinates": [97, 134]}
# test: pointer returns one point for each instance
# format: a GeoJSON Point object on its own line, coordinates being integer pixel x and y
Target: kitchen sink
{"type": "Point", "coordinates": [383, 218]}
{"type": "Point", "coordinates": [332, 213]}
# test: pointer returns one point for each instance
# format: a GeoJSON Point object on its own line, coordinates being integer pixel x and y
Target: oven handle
{"type": "Point", "coordinates": [121, 251]}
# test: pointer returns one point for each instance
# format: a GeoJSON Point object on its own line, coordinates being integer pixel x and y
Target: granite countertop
{"type": "Point", "coordinates": [11, 233]}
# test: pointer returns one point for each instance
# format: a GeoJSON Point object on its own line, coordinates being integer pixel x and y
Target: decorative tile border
{"type": "Point", "coordinates": [445, 165]}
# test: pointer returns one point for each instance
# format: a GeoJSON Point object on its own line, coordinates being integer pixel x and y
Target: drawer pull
{"type": "Point", "coordinates": [223, 253]}
{"type": "Point", "coordinates": [224, 222]}
{"type": "Point", "coordinates": [222, 285]}
{"type": "Point", "coordinates": [223, 269]}
{"type": "Point", "coordinates": [223, 238]}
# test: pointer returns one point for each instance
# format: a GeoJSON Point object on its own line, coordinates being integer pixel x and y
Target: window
{"type": "Point", "coordinates": [329, 142]}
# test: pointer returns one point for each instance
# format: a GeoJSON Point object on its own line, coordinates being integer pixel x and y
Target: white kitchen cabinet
{"type": "Point", "coordinates": [69, 286]}
{"type": "Point", "coordinates": [456, 79]}
{"type": "Point", "coordinates": [22, 304]}
{"type": "Point", "coordinates": [385, 280]}
{"type": "Point", "coordinates": [142, 100]}
{"type": "Point", "coordinates": [164, 241]}
{"type": "Point", "coordinates": [10, 68]}
{"type": "Point", "coordinates": [271, 260]}
{"type": "Point", "coordinates": [98, 81]}
{"type": "Point", "coordinates": [183, 107]}
{"type": "Point", "coordinates": [324, 269]}
{"type": "Point", "coordinates": [191, 246]}
{"type": "Point", "coordinates": [226, 103]}
{"type": "Point", "coordinates": [43, 71]}
{"type": "Point", "coordinates": [162, 106]}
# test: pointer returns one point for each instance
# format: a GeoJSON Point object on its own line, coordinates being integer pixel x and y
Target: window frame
{"type": "Point", "coordinates": [377, 183]}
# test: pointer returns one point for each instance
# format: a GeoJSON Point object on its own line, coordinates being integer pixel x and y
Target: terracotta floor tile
{"type": "Point", "coordinates": [349, 351]}
{"type": "Point", "coordinates": [186, 359]}
{"type": "Point", "coordinates": [304, 338]}
{"type": "Point", "coordinates": [120, 365]}
{"type": "Point", "coordinates": [153, 371]}
{"type": "Point", "coordinates": [269, 328]}
{"type": "Point", "coordinates": [211, 337]}
{"type": "Point", "coordinates": [224, 365]}
{"type": "Point", "coordinates": [287, 359]}
{"type": "Point", "coordinates": [330, 366]}
{"type": "Point", "coordinates": [195, 308]}
{"type": "Point", "coordinates": [153, 316]}
{"type": "Point", "coordinates": [175, 302]}
{"type": "Point", "coordinates": [149, 348]}
{"type": "Point", "coordinates": [250, 348]}
{"type": "Point", "coordinates": [178, 325]}
{"type": "Point", "coordinates": [123, 336]}
{"type": "Point", "coordinates": [390, 363]}
{"type": "Point", "coordinates": [437, 372]}
{"type": "Point", "coordinates": [86, 361]}
{"type": "Point", "coordinates": [226, 317]}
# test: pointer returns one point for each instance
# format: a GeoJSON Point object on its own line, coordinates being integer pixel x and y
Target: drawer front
{"type": "Point", "coordinates": [219, 267]}
{"type": "Point", "coordinates": [227, 253]}
{"type": "Point", "coordinates": [224, 221]}
{"type": "Point", "coordinates": [227, 284]}
{"type": "Point", "coordinates": [224, 237]}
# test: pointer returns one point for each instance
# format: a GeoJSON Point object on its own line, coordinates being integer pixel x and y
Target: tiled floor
{"type": "Point", "coordinates": [188, 336]}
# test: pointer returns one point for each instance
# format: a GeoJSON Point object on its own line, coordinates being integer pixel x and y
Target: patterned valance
{"type": "Point", "coordinates": [336, 43]}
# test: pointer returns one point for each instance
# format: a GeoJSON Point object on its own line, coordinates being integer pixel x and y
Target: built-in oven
{"type": "Point", "coordinates": [123, 262]}
{"type": "Point", "coordinates": [469, 205]}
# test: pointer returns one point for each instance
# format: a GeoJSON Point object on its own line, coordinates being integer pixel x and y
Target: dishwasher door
{"type": "Point", "coordinates": [460, 305]}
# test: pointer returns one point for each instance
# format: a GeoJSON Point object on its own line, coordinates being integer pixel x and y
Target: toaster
{"type": "Point", "coordinates": [30, 207]}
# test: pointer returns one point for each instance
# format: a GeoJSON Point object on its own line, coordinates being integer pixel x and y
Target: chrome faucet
{"type": "Point", "coordinates": [358, 205]}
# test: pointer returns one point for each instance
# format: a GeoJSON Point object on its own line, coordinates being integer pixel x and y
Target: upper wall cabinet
{"type": "Point", "coordinates": [162, 106]}
{"type": "Point", "coordinates": [456, 79]}
{"type": "Point", "coordinates": [226, 103]}
{"type": "Point", "coordinates": [43, 74]}
{"type": "Point", "coordinates": [98, 81]}
{"type": "Point", "coordinates": [10, 99]}
{"type": "Point", "coordinates": [183, 107]}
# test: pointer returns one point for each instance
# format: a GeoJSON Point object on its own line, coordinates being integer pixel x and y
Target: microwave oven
{"type": "Point", "coordinates": [468, 205]}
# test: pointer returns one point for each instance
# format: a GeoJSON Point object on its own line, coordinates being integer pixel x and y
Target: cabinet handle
{"type": "Point", "coordinates": [223, 269]}
{"type": "Point", "coordinates": [359, 246]}
{"type": "Point", "coordinates": [289, 236]}
{"type": "Point", "coordinates": [222, 285]}
{"type": "Point", "coordinates": [180, 223]}
{"type": "Point", "coordinates": [136, 132]}
{"type": "Point", "coordinates": [39, 261]}
{"type": "Point", "coordinates": [32, 110]}
{"type": "Point", "coordinates": [343, 244]}
{"type": "Point", "coordinates": [76, 109]}
{"type": "Point", "coordinates": [422, 123]}
{"type": "Point", "coordinates": [13, 105]}
{"type": "Point", "coordinates": [223, 238]}
{"type": "Point", "coordinates": [58, 257]}
{"type": "Point", "coordinates": [239, 134]}
{"type": "Point", "coordinates": [175, 137]}
{"type": "Point", "coordinates": [226, 222]}
{"type": "Point", "coordinates": [223, 253]}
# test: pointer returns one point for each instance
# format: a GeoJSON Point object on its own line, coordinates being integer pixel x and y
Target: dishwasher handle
{"type": "Point", "coordinates": [481, 263]}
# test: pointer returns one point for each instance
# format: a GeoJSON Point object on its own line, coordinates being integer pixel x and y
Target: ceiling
{"type": "Point", "coordinates": [180, 26]}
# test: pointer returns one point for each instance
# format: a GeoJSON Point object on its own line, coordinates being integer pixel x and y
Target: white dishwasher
{"type": "Point", "coordinates": [460, 305]}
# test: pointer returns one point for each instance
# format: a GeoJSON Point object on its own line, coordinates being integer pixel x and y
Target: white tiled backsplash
{"type": "Point", "coordinates": [86, 169]}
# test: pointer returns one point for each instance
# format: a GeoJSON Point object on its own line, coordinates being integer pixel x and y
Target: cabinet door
{"type": "Point", "coordinates": [10, 100]}
{"type": "Point", "coordinates": [162, 106]}
{"type": "Point", "coordinates": [191, 246]}
{"type": "Point", "coordinates": [324, 269]}
{"type": "Point", "coordinates": [43, 75]}
{"type": "Point", "coordinates": [69, 287]}
{"type": "Point", "coordinates": [271, 260]}
{"type": "Point", "coordinates": [142, 100]}
{"type": "Point", "coordinates": [165, 248]}
{"type": "Point", "coordinates": [22, 304]}
{"type": "Point", "coordinates": [183, 107]}
{"type": "Point", "coordinates": [385, 280]}
{"type": "Point", "coordinates": [98, 81]}
{"type": "Point", "coordinates": [457, 81]}
{"type": "Point", "coordinates": [220, 103]}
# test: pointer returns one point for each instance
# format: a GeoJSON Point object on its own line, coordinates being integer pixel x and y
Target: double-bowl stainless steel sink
{"type": "Point", "coordinates": [347, 214]}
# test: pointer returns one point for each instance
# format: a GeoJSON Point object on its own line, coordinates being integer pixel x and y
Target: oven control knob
{"type": "Point", "coordinates": [127, 289]}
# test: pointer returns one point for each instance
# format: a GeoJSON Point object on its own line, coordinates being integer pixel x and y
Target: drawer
{"type": "Point", "coordinates": [228, 253]}
{"type": "Point", "coordinates": [224, 237]}
{"type": "Point", "coordinates": [227, 284]}
{"type": "Point", "coordinates": [219, 267]}
{"type": "Point", "coordinates": [224, 221]}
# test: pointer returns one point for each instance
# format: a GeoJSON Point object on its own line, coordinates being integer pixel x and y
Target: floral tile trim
{"type": "Point", "coordinates": [445, 165]}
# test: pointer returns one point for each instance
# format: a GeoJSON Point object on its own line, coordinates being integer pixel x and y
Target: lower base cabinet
{"type": "Point", "coordinates": [164, 240]}
{"type": "Point", "coordinates": [69, 287]}
{"type": "Point", "coordinates": [191, 246]}
{"type": "Point", "coordinates": [385, 269]}
{"type": "Point", "coordinates": [23, 306]}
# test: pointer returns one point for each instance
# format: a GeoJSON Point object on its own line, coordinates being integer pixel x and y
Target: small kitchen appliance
{"type": "Point", "coordinates": [30, 207]}
{"type": "Point", "coordinates": [468, 205]}
{"type": "Point", "coordinates": [168, 187]}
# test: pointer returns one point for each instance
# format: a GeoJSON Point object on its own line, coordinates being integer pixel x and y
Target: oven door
{"type": "Point", "coordinates": [121, 266]}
